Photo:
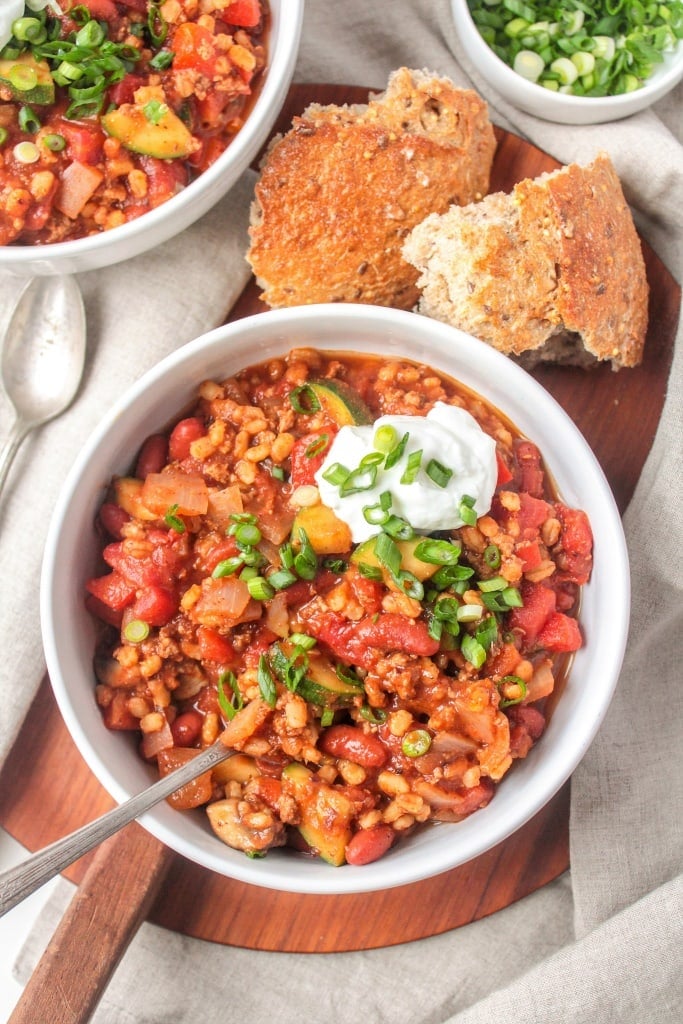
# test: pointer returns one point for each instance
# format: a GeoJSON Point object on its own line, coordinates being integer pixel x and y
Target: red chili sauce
{"type": "Point", "coordinates": [361, 699]}
{"type": "Point", "coordinates": [111, 108]}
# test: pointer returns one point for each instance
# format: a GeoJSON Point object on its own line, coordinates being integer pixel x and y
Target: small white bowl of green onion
{"type": "Point", "coordinates": [575, 61]}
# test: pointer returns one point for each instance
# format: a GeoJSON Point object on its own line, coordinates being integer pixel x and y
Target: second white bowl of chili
{"type": "Point", "coordinates": [368, 696]}
{"type": "Point", "coordinates": [99, 172]}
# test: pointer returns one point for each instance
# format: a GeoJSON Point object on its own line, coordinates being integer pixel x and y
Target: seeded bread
{"type": "Point", "coordinates": [339, 192]}
{"type": "Point", "coordinates": [552, 272]}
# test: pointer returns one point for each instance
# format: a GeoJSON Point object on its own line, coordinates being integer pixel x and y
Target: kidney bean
{"type": "Point", "coordinates": [186, 728]}
{"type": "Point", "coordinates": [112, 518]}
{"type": "Point", "coordinates": [354, 745]}
{"type": "Point", "coordinates": [152, 457]}
{"type": "Point", "coordinates": [182, 436]}
{"type": "Point", "coordinates": [369, 844]}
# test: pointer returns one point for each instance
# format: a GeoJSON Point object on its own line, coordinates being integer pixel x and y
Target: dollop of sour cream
{"type": "Point", "coordinates": [448, 435]}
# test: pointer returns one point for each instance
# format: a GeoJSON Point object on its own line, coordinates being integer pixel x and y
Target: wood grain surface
{"type": "Point", "coordinates": [46, 789]}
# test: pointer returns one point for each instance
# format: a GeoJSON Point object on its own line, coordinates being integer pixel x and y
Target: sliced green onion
{"type": "Point", "coordinates": [410, 585]}
{"type": "Point", "coordinates": [248, 533]}
{"type": "Point", "coordinates": [416, 742]}
{"type": "Point", "coordinates": [28, 120]}
{"type": "Point", "coordinates": [399, 528]}
{"type": "Point", "coordinates": [412, 467]}
{"type": "Point", "coordinates": [91, 35]}
{"type": "Point", "coordinates": [229, 705]}
{"type": "Point", "coordinates": [277, 472]}
{"type": "Point", "coordinates": [374, 715]}
{"type": "Point", "coordinates": [385, 438]}
{"type": "Point", "coordinates": [358, 480]}
{"type": "Point", "coordinates": [29, 30]}
{"type": "Point", "coordinates": [466, 510]}
{"type": "Point", "coordinates": [162, 60]}
{"type": "Point", "coordinates": [396, 453]}
{"type": "Point", "coordinates": [303, 399]}
{"type": "Point", "coordinates": [388, 554]}
{"type": "Point", "coordinates": [281, 579]}
{"type": "Point", "coordinates": [55, 143]}
{"type": "Point", "coordinates": [336, 474]}
{"type": "Point", "coordinates": [227, 567]}
{"type": "Point", "coordinates": [438, 473]}
{"type": "Point", "coordinates": [327, 717]}
{"type": "Point", "coordinates": [375, 515]}
{"type": "Point", "coordinates": [513, 683]}
{"type": "Point", "coordinates": [22, 77]}
{"type": "Point", "coordinates": [437, 552]}
{"type": "Point", "coordinates": [529, 65]}
{"type": "Point", "coordinates": [173, 520]}
{"type": "Point", "coordinates": [494, 583]}
{"type": "Point", "coordinates": [266, 683]}
{"type": "Point", "coordinates": [4, 135]}
{"type": "Point", "coordinates": [303, 640]}
{"type": "Point", "coordinates": [370, 572]}
{"type": "Point", "coordinates": [136, 631]}
{"type": "Point", "coordinates": [155, 110]}
{"type": "Point", "coordinates": [469, 613]}
{"type": "Point", "coordinates": [317, 447]}
{"type": "Point", "coordinates": [492, 556]}
{"type": "Point", "coordinates": [260, 589]}
{"type": "Point", "coordinates": [472, 651]}
{"type": "Point", "coordinates": [305, 560]}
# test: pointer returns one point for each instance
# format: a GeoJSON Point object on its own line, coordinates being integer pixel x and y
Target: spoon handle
{"type": "Point", "coordinates": [20, 881]}
{"type": "Point", "coordinates": [11, 447]}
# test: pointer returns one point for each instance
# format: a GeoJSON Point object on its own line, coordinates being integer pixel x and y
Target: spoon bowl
{"type": "Point", "coordinates": [43, 357]}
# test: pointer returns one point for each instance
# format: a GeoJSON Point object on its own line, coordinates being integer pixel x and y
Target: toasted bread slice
{"type": "Point", "coordinates": [338, 193]}
{"type": "Point", "coordinates": [554, 271]}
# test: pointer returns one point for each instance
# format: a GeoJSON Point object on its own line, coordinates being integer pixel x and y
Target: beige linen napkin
{"type": "Point", "coordinates": [601, 944]}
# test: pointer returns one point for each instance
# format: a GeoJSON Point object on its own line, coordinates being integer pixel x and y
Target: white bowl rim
{"type": "Point", "coordinates": [662, 79]}
{"type": "Point", "coordinates": [240, 153]}
{"type": "Point", "coordinates": [561, 753]}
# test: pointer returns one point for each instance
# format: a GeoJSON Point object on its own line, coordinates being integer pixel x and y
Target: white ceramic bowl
{"type": "Point", "coordinates": [193, 202]}
{"type": "Point", "coordinates": [555, 106]}
{"type": "Point", "coordinates": [72, 547]}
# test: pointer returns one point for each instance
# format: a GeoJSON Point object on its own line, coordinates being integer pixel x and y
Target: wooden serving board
{"type": "Point", "coordinates": [46, 790]}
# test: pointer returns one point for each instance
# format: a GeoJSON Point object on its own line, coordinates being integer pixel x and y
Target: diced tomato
{"type": "Point", "coordinates": [102, 611]}
{"type": "Point", "coordinates": [530, 555]}
{"type": "Point", "coordinates": [533, 512]}
{"type": "Point", "coordinates": [113, 590]}
{"type": "Point", "coordinates": [246, 13]}
{"type": "Point", "coordinates": [84, 142]}
{"type": "Point", "coordinates": [224, 549]}
{"type": "Point", "coordinates": [539, 604]}
{"type": "Point", "coordinates": [158, 569]}
{"type": "Point", "coordinates": [504, 474]}
{"type": "Point", "coordinates": [575, 558]}
{"type": "Point", "coordinates": [193, 46]}
{"type": "Point", "coordinates": [529, 470]}
{"type": "Point", "coordinates": [182, 436]}
{"type": "Point", "coordinates": [560, 633]}
{"type": "Point", "coordinates": [308, 455]}
{"type": "Point", "coordinates": [155, 605]}
{"type": "Point", "coordinates": [214, 646]}
{"type": "Point", "coordinates": [123, 91]}
{"type": "Point", "coordinates": [368, 592]}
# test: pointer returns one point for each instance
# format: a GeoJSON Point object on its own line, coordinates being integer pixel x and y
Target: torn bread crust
{"type": "Point", "coordinates": [338, 194]}
{"type": "Point", "coordinates": [554, 271]}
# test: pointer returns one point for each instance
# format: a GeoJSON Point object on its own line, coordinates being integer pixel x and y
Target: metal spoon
{"type": "Point", "coordinates": [20, 881]}
{"type": "Point", "coordinates": [42, 357]}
